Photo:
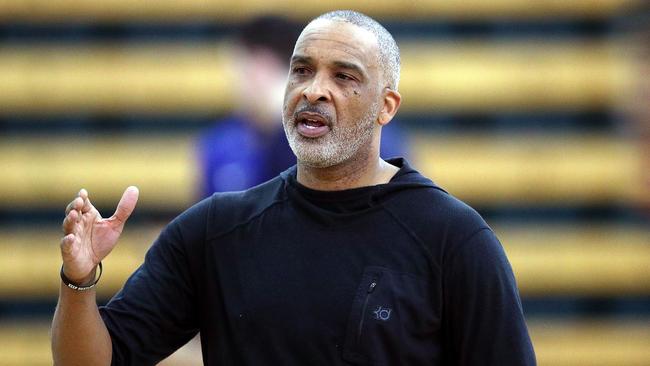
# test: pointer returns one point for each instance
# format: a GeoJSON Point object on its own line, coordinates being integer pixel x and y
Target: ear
{"type": "Point", "coordinates": [392, 101]}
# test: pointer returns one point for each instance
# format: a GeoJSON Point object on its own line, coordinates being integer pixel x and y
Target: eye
{"type": "Point", "coordinates": [300, 70]}
{"type": "Point", "coordinates": [343, 76]}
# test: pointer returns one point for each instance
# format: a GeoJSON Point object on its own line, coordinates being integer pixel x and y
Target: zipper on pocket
{"type": "Point", "coordinates": [371, 288]}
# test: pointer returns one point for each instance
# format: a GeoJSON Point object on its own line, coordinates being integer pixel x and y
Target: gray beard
{"type": "Point", "coordinates": [338, 145]}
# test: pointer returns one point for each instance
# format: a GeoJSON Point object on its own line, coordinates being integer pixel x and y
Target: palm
{"type": "Point", "coordinates": [103, 239]}
{"type": "Point", "coordinates": [90, 238]}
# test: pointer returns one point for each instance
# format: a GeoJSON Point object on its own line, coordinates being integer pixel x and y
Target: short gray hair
{"type": "Point", "coordinates": [388, 50]}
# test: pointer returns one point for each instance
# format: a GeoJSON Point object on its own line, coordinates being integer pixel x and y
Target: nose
{"type": "Point", "coordinates": [316, 91]}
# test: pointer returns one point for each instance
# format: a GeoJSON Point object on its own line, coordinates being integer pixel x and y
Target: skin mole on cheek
{"type": "Point", "coordinates": [356, 92]}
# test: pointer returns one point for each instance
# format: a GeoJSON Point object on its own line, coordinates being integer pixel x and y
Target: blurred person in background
{"type": "Point", "coordinates": [249, 147]}
{"type": "Point", "coordinates": [343, 259]}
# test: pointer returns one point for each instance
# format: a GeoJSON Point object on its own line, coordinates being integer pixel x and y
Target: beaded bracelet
{"type": "Point", "coordinates": [69, 283]}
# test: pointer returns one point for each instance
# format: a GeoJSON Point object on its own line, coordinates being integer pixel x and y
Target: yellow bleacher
{"type": "Point", "coordinates": [228, 11]}
{"type": "Point", "coordinates": [593, 342]}
{"type": "Point", "coordinates": [548, 260]}
{"type": "Point", "coordinates": [531, 169]}
{"type": "Point", "coordinates": [156, 78]}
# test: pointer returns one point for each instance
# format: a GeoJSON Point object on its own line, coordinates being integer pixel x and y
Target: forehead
{"type": "Point", "coordinates": [326, 38]}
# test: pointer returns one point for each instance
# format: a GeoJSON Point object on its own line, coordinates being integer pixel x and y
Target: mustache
{"type": "Point", "coordinates": [313, 109]}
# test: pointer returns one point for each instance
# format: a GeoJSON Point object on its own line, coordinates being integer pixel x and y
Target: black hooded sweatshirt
{"type": "Point", "coordinates": [394, 274]}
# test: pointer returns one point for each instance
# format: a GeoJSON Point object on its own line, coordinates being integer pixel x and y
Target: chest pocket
{"type": "Point", "coordinates": [394, 320]}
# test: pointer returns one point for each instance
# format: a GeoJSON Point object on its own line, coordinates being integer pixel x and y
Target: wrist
{"type": "Point", "coordinates": [83, 284]}
{"type": "Point", "coordinates": [76, 278]}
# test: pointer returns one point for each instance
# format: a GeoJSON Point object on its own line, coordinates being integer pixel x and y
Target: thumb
{"type": "Point", "coordinates": [126, 205]}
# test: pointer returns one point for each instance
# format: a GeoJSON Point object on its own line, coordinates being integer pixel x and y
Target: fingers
{"type": "Point", "coordinates": [66, 243]}
{"type": "Point", "coordinates": [87, 206]}
{"type": "Point", "coordinates": [126, 205]}
{"type": "Point", "coordinates": [71, 219]}
{"type": "Point", "coordinates": [76, 210]}
{"type": "Point", "coordinates": [80, 203]}
{"type": "Point", "coordinates": [75, 204]}
{"type": "Point", "coordinates": [83, 193]}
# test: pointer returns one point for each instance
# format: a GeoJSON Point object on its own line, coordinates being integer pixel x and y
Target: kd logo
{"type": "Point", "coordinates": [382, 313]}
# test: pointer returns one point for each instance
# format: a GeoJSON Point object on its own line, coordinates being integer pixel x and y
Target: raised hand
{"type": "Point", "coordinates": [88, 238]}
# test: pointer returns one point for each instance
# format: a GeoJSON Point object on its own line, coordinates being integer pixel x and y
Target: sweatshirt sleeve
{"type": "Point", "coordinates": [483, 316]}
{"type": "Point", "coordinates": [154, 313]}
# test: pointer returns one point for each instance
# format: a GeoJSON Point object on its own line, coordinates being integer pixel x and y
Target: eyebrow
{"type": "Point", "coordinates": [340, 64]}
{"type": "Point", "coordinates": [350, 66]}
{"type": "Point", "coordinates": [301, 59]}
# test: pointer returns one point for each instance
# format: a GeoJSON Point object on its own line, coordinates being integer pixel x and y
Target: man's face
{"type": "Point", "coordinates": [333, 94]}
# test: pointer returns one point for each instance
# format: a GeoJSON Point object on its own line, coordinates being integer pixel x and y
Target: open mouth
{"type": "Point", "coordinates": [312, 125]}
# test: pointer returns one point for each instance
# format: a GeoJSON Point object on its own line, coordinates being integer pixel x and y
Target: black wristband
{"type": "Point", "coordinates": [69, 283]}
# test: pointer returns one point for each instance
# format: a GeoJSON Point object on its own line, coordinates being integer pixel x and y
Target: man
{"type": "Point", "coordinates": [249, 147]}
{"type": "Point", "coordinates": [345, 259]}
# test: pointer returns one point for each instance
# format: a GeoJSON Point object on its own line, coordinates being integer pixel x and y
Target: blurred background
{"type": "Point", "coordinates": [537, 113]}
